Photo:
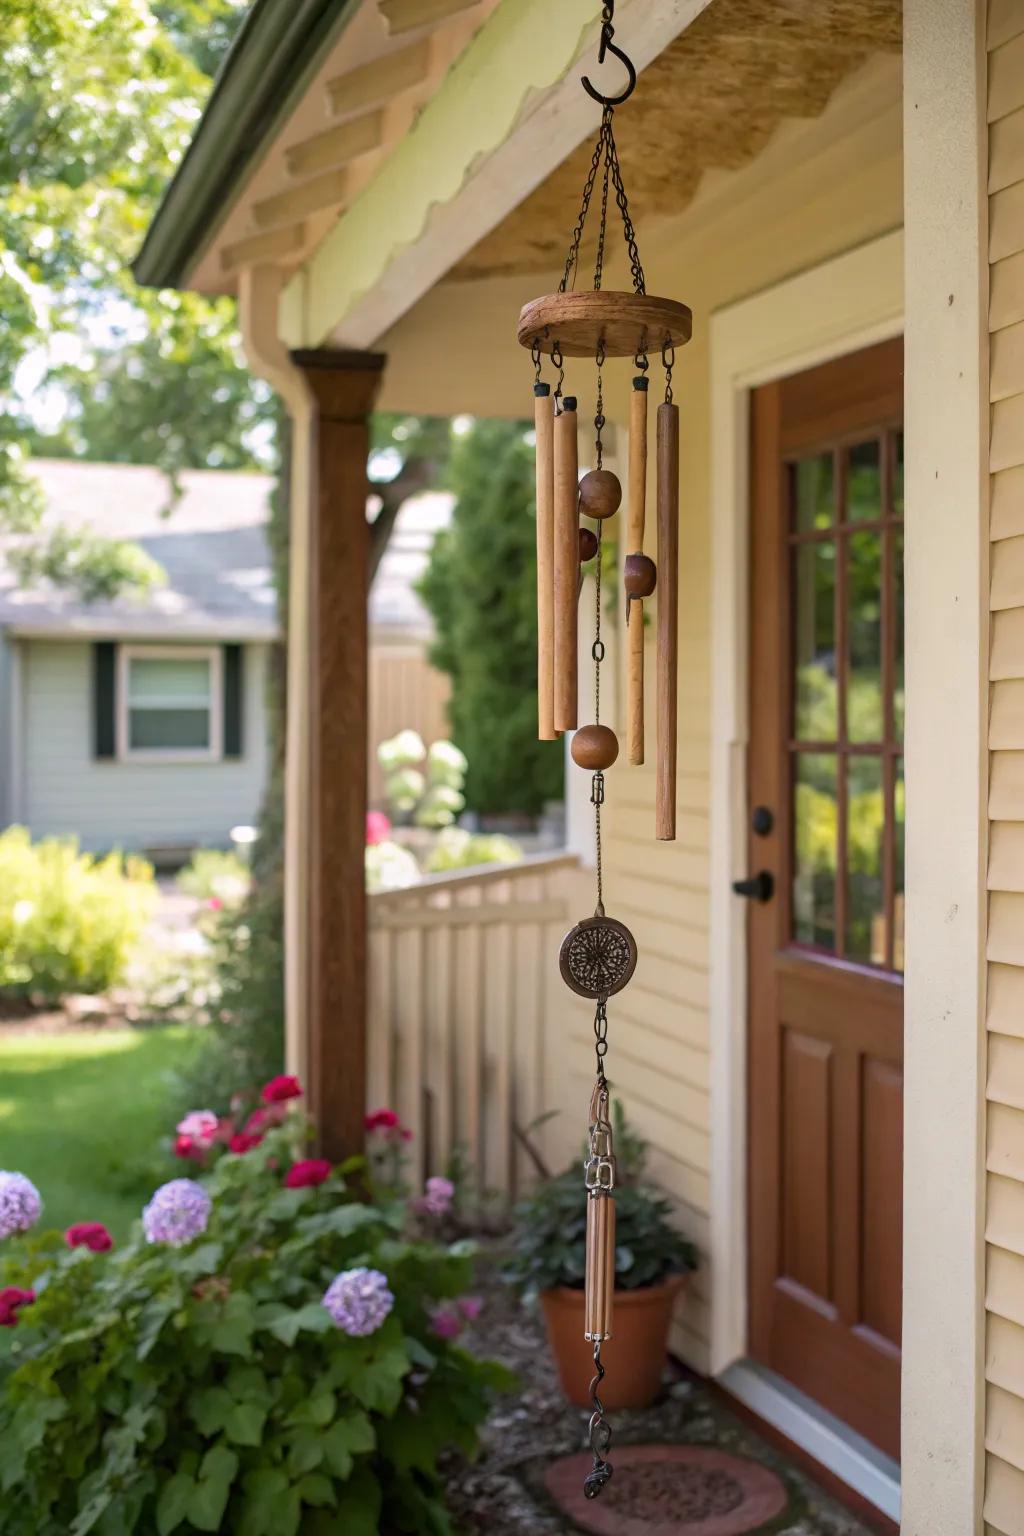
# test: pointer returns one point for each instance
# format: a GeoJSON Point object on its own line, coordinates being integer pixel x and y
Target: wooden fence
{"type": "Point", "coordinates": [460, 978]}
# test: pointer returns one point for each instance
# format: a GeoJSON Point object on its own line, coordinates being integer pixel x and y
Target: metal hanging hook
{"type": "Point", "coordinates": [608, 46]}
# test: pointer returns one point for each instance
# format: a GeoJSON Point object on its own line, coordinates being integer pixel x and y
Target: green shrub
{"type": "Point", "coordinates": [68, 921]}
{"type": "Point", "coordinates": [206, 1388]}
{"type": "Point", "coordinates": [457, 849]}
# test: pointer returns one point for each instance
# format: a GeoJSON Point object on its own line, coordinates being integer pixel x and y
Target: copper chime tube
{"type": "Point", "coordinates": [566, 564]}
{"type": "Point", "coordinates": [668, 619]}
{"type": "Point", "coordinates": [600, 1283]}
{"type": "Point", "coordinates": [634, 546]}
{"type": "Point", "coordinates": [544, 423]}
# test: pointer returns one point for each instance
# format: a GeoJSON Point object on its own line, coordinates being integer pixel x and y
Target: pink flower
{"type": "Point", "coordinates": [225, 1129]}
{"type": "Point", "coordinates": [406, 1135]}
{"type": "Point", "coordinates": [438, 1196]}
{"type": "Point", "coordinates": [279, 1089]}
{"type": "Point", "coordinates": [471, 1307]}
{"type": "Point", "coordinates": [446, 1322]}
{"type": "Point", "coordinates": [11, 1298]}
{"type": "Point", "coordinates": [307, 1174]}
{"type": "Point", "coordinates": [215, 904]}
{"type": "Point", "coordinates": [184, 1146]}
{"type": "Point", "coordinates": [89, 1234]}
{"type": "Point", "coordinates": [381, 1120]}
{"type": "Point", "coordinates": [378, 828]}
{"type": "Point", "coordinates": [241, 1141]}
{"type": "Point", "coordinates": [200, 1125]}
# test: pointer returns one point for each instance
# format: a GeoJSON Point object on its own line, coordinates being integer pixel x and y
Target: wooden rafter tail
{"type": "Point", "coordinates": [544, 423]}
{"type": "Point", "coordinates": [668, 619]}
{"type": "Point", "coordinates": [636, 515]}
{"type": "Point", "coordinates": [566, 564]}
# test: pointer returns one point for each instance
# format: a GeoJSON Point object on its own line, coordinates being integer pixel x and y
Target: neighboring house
{"type": "Point", "coordinates": [142, 723]}
{"type": "Point", "coordinates": [837, 190]}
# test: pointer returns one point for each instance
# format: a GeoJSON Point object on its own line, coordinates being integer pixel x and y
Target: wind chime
{"type": "Point", "coordinates": [598, 956]}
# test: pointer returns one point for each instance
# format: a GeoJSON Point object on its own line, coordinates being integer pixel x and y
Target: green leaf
{"type": "Point", "coordinates": [359, 1505]}
{"type": "Point", "coordinates": [244, 1423]}
{"type": "Point", "coordinates": [247, 1383]}
{"type": "Point", "coordinates": [287, 1324]}
{"type": "Point", "coordinates": [379, 1387]}
{"type": "Point", "coordinates": [306, 1450]}
{"type": "Point", "coordinates": [209, 1409]}
{"type": "Point", "coordinates": [318, 1409]}
{"type": "Point", "coordinates": [317, 1490]}
{"type": "Point", "coordinates": [272, 1505]}
{"type": "Point", "coordinates": [349, 1437]}
{"type": "Point", "coordinates": [172, 1503]}
{"type": "Point", "coordinates": [209, 1497]}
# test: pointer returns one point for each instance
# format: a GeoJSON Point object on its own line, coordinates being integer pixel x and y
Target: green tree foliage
{"type": "Point", "coordinates": [98, 99]}
{"type": "Point", "coordinates": [480, 588]}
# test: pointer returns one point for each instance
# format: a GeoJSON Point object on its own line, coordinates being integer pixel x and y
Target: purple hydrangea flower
{"type": "Point", "coordinates": [438, 1196]}
{"type": "Point", "coordinates": [359, 1301]}
{"type": "Point", "coordinates": [20, 1205]}
{"type": "Point", "coordinates": [177, 1213]}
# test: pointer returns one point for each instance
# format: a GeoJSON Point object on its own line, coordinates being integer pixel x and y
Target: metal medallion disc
{"type": "Point", "coordinates": [597, 957]}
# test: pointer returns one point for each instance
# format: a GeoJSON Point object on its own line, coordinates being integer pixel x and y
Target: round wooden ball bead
{"type": "Point", "coordinates": [600, 493]}
{"type": "Point", "coordinates": [640, 575]}
{"type": "Point", "coordinates": [588, 544]}
{"type": "Point", "coordinates": [594, 747]}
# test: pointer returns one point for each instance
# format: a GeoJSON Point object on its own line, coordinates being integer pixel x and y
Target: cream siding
{"type": "Point", "coordinates": [1004, 1217]}
{"type": "Point", "coordinates": [105, 803]}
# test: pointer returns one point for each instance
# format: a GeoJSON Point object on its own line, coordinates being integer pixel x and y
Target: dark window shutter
{"type": "Point", "coordinates": [234, 679]}
{"type": "Point", "coordinates": [104, 698]}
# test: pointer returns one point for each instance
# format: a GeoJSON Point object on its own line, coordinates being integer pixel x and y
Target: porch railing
{"type": "Point", "coordinates": [459, 981]}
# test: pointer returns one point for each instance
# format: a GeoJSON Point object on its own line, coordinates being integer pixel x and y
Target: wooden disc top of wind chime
{"type": "Point", "coordinates": [623, 324]}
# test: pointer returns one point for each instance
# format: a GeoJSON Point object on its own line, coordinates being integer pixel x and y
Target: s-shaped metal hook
{"type": "Point", "coordinates": [608, 46]}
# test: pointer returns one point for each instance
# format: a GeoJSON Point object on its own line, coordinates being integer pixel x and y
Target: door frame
{"type": "Point", "coordinates": [841, 306]}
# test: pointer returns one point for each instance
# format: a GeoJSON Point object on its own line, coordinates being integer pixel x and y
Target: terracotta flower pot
{"type": "Point", "coordinates": [635, 1354]}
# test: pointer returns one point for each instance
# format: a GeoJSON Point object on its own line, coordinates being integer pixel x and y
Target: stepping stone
{"type": "Point", "coordinates": [669, 1490]}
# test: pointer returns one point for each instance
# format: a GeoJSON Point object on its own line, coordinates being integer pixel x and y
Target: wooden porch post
{"type": "Point", "coordinates": [343, 387]}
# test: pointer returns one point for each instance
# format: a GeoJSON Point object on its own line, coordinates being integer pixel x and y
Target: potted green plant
{"type": "Point", "coordinates": [652, 1262]}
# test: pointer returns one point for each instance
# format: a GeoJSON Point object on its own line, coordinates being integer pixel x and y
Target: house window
{"type": "Point", "coordinates": [170, 703]}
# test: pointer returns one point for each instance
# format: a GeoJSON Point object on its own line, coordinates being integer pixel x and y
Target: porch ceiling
{"type": "Point", "coordinates": [710, 101]}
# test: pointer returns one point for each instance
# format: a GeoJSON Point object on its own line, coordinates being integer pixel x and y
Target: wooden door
{"type": "Point", "coordinates": [826, 947]}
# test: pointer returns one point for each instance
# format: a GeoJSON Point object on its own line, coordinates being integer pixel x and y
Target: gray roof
{"type": "Point", "coordinates": [212, 546]}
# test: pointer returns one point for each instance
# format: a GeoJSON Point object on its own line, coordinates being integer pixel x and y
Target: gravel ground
{"type": "Point", "coordinates": [502, 1492]}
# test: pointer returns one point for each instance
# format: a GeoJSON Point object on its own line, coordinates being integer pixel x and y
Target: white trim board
{"type": "Point", "coordinates": [850, 302]}
{"type": "Point", "coordinates": [859, 1465]}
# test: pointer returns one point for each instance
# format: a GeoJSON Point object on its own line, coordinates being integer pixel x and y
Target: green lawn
{"type": "Point", "coordinates": [82, 1115]}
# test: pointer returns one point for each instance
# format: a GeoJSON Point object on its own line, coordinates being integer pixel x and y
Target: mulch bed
{"type": "Point", "coordinates": [505, 1492]}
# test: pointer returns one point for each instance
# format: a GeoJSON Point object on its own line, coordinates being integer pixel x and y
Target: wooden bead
{"type": "Point", "coordinates": [588, 544]}
{"type": "Point", "coordinates": [640, 575]}
{"type": "Point", "coordinates": [594, 747]}
{"type": "Point", "coordinates": [600, 493]}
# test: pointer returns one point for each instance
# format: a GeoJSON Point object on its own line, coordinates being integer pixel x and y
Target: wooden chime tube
{"type": "Point", "coordinates": [544, 424]}
{"type": "Point", "coordinates": [566, 564]}
{"type": "Point", "coordinates": [634, 545]}
{"type": "Point", "coordinates": [600, 1280]}
{"type": "Point", "coordinates": [668, 619]}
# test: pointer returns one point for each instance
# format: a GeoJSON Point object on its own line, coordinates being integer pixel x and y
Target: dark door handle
{"type": "Point", "coordinates": [759, 887]}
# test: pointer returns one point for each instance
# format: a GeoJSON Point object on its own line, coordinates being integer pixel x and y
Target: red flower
{"type": "Point", "coordinates": [11, 1298]}
{"type": "Point", "coordinates": [378, 827]}
{"type": "Point", "coordinates": [241, 1141]}
{"type": "Point", "coordinates": [381, 1120]}
{"type": "Point", "coordinates": [306, 1174]}
{"type": "Point", "coordinates": [279, 1089]}
{"type": "Point", "coordinates": [89, 1234]}
{"type": "Point", "coordinates": [186, 1146]}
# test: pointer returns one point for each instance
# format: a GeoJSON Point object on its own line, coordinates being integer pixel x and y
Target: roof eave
{"type": "Point", "coordinates": [278, 48]}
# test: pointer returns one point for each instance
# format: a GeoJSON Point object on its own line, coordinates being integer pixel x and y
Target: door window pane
{"type": "Point", "coordinates": [813, 493]}
{"type": "Point", "coordinates": [815, 843]}
{"type": "Point", "coordinates": [815, 700]}
{"type": "Point", "coordinates": [898, 622]}
{"type": "Point", "coordinates": [866, 936]}
{"type": "Point", "coordinates": [864, 483]}
{"type": "Point", "coordinates": [864, 712]}
{"type": "Point", "coordinates": [897, 477]}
